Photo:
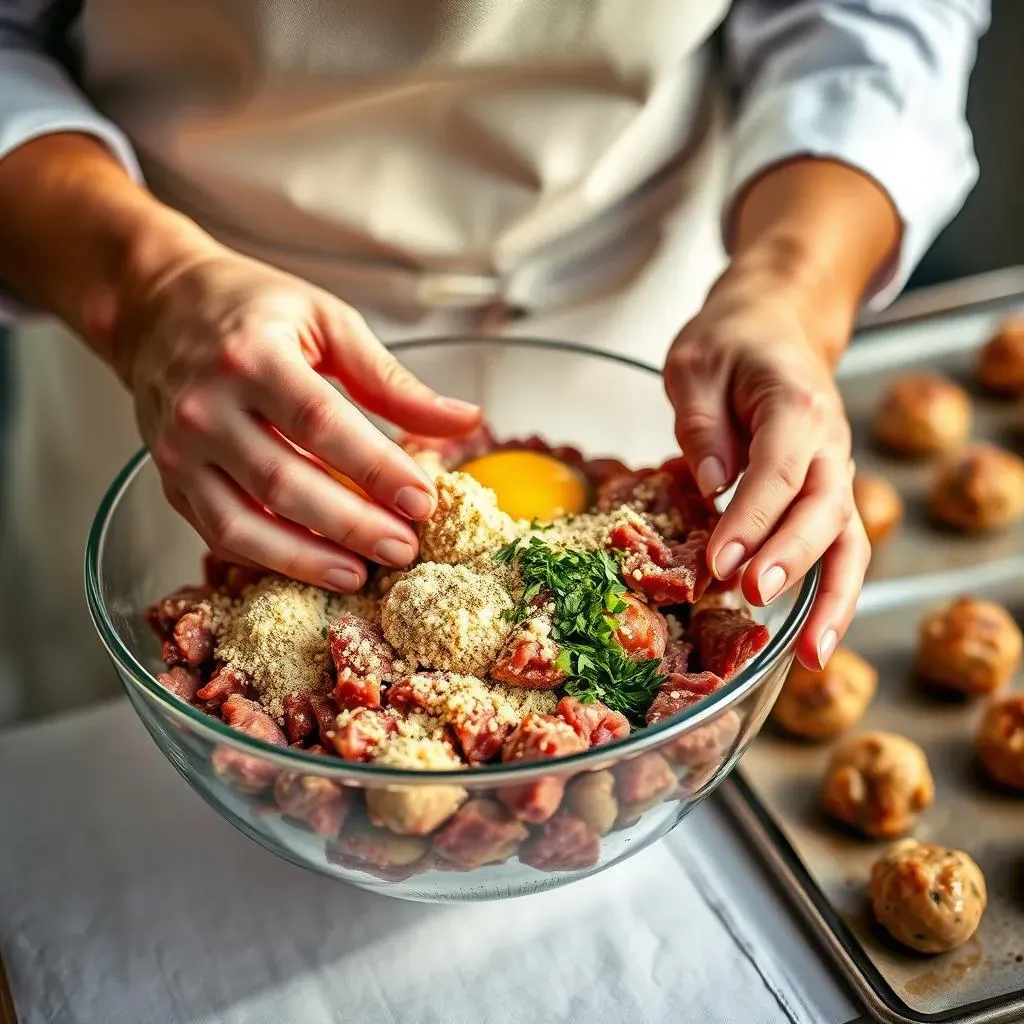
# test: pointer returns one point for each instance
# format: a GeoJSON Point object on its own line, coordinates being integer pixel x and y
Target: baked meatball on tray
{"type": "Point", "coordinates": [888, 794]}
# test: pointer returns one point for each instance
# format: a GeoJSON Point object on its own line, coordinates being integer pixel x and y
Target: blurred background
{"type": "Point", "coordinates": [988, 234]}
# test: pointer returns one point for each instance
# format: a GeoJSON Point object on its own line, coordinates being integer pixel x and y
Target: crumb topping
{"type": "Point", "coordinates": [277, 635]}
{"type": "Point", "coordinates": [466, 524]}
{"type": "Point", "coordinates": [447, 617]}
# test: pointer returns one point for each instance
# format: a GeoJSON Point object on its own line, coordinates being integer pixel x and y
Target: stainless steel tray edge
{"type": "Point", "coordinates": [737, 799]}
{"type": "Point", "coordinates": [997, 291]}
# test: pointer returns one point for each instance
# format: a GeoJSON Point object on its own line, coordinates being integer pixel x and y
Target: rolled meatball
{"type": "Point", "coordinates": [928, 897]}
{"type": "Point", "coordinates": [981, 488]}
{"type": "Point", "coordinates": [817, 705]}
{"type": "Point", "coordinates": [1001, 361]}
{"type": "Point", "coordinates": [878, 783]}
{"type": "Point", "coordinates": [923, 413]}
{"type": "Point", "coordinates": [970, 645]}
{"type": "Point", "coordinates": [417, 614]}
{"type": "Point", "coordinates": [1000, 741]}
{"type": "Point", "coordinates": [879, 505]}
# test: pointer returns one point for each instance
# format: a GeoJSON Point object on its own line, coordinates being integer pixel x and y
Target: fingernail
{"type": "Point", "coordinates": [414, 502]}
{"type": "Point", "coordinates": [711, 476]}
{"type": "Point", "coordinates": [826, 645]}
{"type": "Point", "coordinates": [771, 582]}
{"type": "Point", "coordinates": [342, 579]}
{"type": "Point", "coordinates": [393, 551]}
{"type": "Point", "coordinates": [455, 404]}
{"type": "Point", "coordinates": [729, 559]}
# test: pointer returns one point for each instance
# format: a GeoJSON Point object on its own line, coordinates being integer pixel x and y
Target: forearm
{"type": "Point", "coordinates": [77, 231]}
{"type": "Point", "coordinates": [822, 232]}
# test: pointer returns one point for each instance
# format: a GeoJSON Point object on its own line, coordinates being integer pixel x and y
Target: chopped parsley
{"type": "Point", "coordinates": [587, 590]}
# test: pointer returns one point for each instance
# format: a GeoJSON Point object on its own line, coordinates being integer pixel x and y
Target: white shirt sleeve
{"type": "Point", "coordinates": [38, 95]}
{"type": "Point", "coordinates": [880, 85]}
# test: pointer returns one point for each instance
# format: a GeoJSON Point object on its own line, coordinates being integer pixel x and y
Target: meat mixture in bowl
{"type": "Point", "coordinates": [508, 640]}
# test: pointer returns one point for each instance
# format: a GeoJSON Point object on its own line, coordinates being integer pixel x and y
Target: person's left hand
{"type": "Point", "coordinates": [752, 386]}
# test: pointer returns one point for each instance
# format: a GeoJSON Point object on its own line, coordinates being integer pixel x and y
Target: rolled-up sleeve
{"type": "Point", "coordinates": [38, 95]}
{"type": "Point", "coordinates": [880, 85]}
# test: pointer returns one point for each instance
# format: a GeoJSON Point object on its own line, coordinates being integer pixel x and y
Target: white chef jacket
{"type": "Point", "coordinates": [879, 84]}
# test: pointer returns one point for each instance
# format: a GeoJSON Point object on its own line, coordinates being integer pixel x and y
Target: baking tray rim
{"type": "Point", "coordinates": [828, 926]}
{"type": "Point", "coordinates": [998, 291]}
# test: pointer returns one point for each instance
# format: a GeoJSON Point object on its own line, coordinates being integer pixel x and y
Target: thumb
{"type": "Point", "coordinates": [698, 387]}
{"type": "Point", "coordinates": [382, 385]}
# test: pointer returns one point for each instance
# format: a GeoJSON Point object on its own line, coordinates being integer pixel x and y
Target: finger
{"type": "Point", "coordinates": [780, 453]}
{"type": "Point", "coordinates": [380, 383]}
{"type": "Point", "coordinates": [810, 527]}
{"type": "Point", "coordinates": [842, 575]}
{"type": "Point", "coordinates": [697, 386]}
{"type": "Point", "coordinates": [177, 500]}
{"type": "Point", "coordinates": [312, 414]}
{"type": "Point", "coordinates": [290, 485]}
{"type": "Point", "coordinates": [232, 522]}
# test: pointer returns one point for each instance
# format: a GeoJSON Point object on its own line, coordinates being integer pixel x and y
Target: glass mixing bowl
{"type": "Point", "coordinates": [620, 798]}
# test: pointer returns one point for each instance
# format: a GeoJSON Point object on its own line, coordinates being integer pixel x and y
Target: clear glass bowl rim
{"type": "Point", "coordinates": [361, 774]}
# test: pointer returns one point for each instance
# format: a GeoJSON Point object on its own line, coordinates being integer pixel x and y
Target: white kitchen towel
{"type": "Point", "coordinates": [124, 899]}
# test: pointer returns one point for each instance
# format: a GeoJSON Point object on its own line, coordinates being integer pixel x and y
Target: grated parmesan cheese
{"type": "Point", "coordinates": [466, 524]}
{"type": "Point", "coordinates": [362, 604]}
{"type": "Point", "coordinates": [424, 753]}
{"type": "Point", "coordinates": [277, 635]}
{"type": "Point", "coordinates": [518, 701]}
{"type": "Point", "coordinates": [447, 617]}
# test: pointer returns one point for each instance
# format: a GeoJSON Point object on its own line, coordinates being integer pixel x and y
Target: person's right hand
{"type": "Point", "coordinates": [227, 359]}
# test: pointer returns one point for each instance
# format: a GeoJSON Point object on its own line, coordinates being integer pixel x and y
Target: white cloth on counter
{"type": "Point", "coordinates": [124, 899]}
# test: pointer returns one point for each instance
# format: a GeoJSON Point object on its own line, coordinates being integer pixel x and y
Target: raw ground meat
{"type": "Point", "coordinates": [528, 661]}
{"type": "Point", "coordinates": [181, 681]}
{"type": "Point", "coordinates": [726, 639]}
{"type": "Point", "coordinates": [677, 657]}
{"type": "Point", "coordinates": [224, 682]}
{"type": "Point", "coordinates": [642, 632]}
{"type": "Point", "coordinates": [666, 574]}
{"type": "Point", "coordinates": [364, 660]}
{"type": "Point", "coordinates": [537, 738]}
{"type": "Point", "coordinates": [681, 691]}
{"type": "Point", "coordinates": [565, 844]}
{"type": "Point", "coordinates": [594, 723]}
{"type": "Point", "coordinates": [479, 832]}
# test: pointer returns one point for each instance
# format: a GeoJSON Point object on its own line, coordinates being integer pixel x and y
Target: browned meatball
{"type": "Point", "coordinates": [923, 413]}
{"type": "Point", "coordinates": [928, 897]}
{"type": "Point", "coordinates": [879, 505]}
{"type": "Point", "coordinates": [817, 705]}
{"type": "Point", "coordinates": [981, 488]}
{"type": "Point", "coordinates": [1001, 361]}
{"type": "Point", "coordinates": [1000, 742]}
{"type": "Point", "coordinates": [970, 645]}
{"type": "Point", "coordinates": [878, 783]}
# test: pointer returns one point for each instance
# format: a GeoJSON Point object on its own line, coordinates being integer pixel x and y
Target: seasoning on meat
{"type": "Point", "coordinates": [447, 617]}
{"type": "Point", "coordinates": [467, 522]}
{"type": "Point", "coordinates": [277, 636]}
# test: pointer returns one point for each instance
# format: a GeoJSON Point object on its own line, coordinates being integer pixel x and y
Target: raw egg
{"type": "Point", "coordinates": [531, 485]}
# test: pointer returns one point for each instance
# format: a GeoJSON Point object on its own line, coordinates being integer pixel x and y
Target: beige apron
{"type": "Point", "coordinates": [430, 161]}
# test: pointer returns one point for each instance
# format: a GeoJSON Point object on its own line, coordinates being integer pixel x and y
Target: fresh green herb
{"type": "Point", "coordinates": [323, 632]}
{"type": "Point", "coordinates": [587, 590]}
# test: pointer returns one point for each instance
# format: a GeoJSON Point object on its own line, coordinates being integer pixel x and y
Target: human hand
{"type": "Point", "coordinates": [753, 391]}
{"type": "Point", "coordinates": [226, 358]}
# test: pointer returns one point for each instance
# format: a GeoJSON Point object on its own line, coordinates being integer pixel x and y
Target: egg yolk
{"type": "Point", "coordinates": [531, 485]}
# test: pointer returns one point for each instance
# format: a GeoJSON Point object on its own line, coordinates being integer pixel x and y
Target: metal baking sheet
{"type": "Point", "coordinates": [774, 794]}
{"type": "Point", "coordinates": [948, 344]}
